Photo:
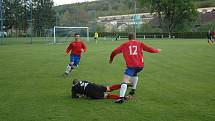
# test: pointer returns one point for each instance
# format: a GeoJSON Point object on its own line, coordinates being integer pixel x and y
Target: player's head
{"type": "Point", "coordinates": [77, 36]}
{"type": "Point", "coordinates": [75, 81]}
{"type": "Point", "coordinates": [130, 36]}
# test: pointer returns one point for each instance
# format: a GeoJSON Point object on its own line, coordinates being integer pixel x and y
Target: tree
{"type": "Point", "coordinates": [17, 15]}
{"type": "Point", "coordinates": [172, 13]}
{"type": "Point", "coordinates": [43, 16]}
{"type": "Point", "coordinates": [66, 19]}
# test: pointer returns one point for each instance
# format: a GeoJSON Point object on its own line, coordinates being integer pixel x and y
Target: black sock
{"type": "Point", "coordinates": [132, 92]}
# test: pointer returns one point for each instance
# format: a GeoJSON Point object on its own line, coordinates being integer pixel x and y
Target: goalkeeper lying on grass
{"type": "Point", "coordinates": [83, 88]}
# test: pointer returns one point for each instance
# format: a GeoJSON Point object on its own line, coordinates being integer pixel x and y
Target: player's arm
{"type": "Point", "coordinates": [76, 90]}
{"type": "Point", "coordinates": [150, 49]}
{"type": "Point", "coordinates": [114, 53]}
{"type": "Point", "coordinates": [74, 93]}
{"type": "Point", "coordinates": [68, 49]}
{"type": "Point", "coordinates": [84, 49]}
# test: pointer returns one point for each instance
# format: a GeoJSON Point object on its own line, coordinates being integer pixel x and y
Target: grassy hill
{"type": "Point", "coordinates": [85, 14]}
{"type": "Point", "coordinates": [115, 7]}
{"type": "Point", "coordinates": [205, 3]}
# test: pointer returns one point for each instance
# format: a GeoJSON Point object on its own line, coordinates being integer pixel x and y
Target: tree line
{"type": "Point", "coordinates": [22, 16]}
{"type": "Point", "coordinates": [26, 17]}
{"type": "Point", "coordinates": [173, 15]}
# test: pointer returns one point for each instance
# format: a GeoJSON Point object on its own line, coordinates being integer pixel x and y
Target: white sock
{"type": "Point", "coordinates": [68, 69]}
{"type": "Point", "coordinates": [123, 89]}
{"type": "Point", "coordinates": [134, 81]}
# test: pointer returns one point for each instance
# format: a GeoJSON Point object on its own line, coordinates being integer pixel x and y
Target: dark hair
{"type": "Point", "coordinates": [75, 81]}
{"type": "Point", "coordinates": [76, 34]}
{"type": "Point", "coordinates": [130, 36]}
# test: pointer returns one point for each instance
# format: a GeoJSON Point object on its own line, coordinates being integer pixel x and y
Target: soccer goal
{"type": "Point", "coordinates": [65, 34]}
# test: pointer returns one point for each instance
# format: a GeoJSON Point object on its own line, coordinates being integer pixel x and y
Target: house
{"type": "Point", "coordinates": [121, 22]}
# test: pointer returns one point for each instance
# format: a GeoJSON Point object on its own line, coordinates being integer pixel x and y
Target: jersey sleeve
{"type": "Point", "coordinates": [84, 47]}
{"type": "Point", "coordinates": [115, 52]}
{"type": "Point", "coordinates": [69, 48]}
{"type": "Point", "coordinates": [149, 49]}
{"type": "Point", "coordinates": [74, 93]}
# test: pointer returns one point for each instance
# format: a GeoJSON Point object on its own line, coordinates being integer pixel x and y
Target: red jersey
{"type": "Point", "coordinates": [133, 52]}
{"type": "Point", "coordinates": [213, 34]}
{"type": "Point", "coordinates": [76, 47]}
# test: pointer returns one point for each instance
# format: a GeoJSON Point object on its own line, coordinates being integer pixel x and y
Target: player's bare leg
{"type": "Point", "coordinates": [210, 41]}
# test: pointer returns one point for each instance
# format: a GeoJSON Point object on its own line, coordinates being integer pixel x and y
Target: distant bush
{"type": "Point", "coordinates": [156, 35]}
{"type": "Point", "coordinates": [205, 4]}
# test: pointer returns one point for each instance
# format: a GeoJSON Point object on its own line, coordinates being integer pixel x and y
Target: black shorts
{"type": "Point", "coordinates": [210, 37]}
{"type": "Point", "coordinates": [95, 91]}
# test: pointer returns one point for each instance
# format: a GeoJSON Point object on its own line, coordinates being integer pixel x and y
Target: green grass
{"type": "Point", "coordinates": [177, 85]}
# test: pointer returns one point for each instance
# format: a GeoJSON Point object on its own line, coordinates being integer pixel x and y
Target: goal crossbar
{"type": "Point", "coordinates": [62, 27]}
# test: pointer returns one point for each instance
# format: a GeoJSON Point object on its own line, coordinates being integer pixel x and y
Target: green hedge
{"type": "Point", "coordinates": [155, 35]}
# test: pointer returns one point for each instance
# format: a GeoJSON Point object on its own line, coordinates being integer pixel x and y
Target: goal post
{"type": "Point", "coordinates": [61, 33]}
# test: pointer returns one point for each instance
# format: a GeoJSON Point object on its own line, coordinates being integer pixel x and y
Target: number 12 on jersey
{"type": "Point", "coordinates": [133, 50]}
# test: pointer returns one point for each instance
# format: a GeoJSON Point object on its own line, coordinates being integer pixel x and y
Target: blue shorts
{"type": "Point", "coordinates": [75, 59]}
{"type": "Point", "coordinates": [133, 71]}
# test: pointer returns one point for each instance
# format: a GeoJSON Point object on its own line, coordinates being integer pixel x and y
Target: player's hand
{"type": "Point", "coordinates": [66, 54]}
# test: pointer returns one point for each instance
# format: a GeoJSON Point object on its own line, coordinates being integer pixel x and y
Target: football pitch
{"type": "Point", "coordinates": [177, 84]}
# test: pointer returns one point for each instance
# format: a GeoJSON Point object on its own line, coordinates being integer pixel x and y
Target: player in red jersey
{"type": "Point", "coordinates": [213, 35]}
{"type": "Point", "coordinates": [133, 55]}
{"type": "Point", "coordinates": [75, 49]}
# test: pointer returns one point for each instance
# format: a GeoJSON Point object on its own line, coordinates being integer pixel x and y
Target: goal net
{"type": "Point", "coordinates": [65, 34]}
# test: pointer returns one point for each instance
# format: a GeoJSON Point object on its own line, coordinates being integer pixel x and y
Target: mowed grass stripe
{"type": "Point", "coordinates": [176, 85]}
